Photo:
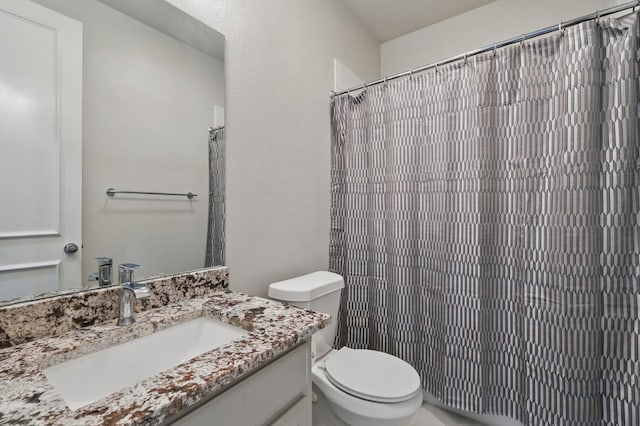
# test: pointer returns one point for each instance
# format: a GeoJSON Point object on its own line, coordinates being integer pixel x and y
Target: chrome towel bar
{"type": "Point", "coordinates": [190, 195]}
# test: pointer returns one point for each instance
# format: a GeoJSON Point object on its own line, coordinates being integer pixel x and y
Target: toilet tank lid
{"type": "Point", "coordinates": [307, 287]}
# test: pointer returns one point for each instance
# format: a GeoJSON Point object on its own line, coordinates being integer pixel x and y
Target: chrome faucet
{"type": "Point", "coordinates": [129, 292]}
{"type": "Point", "coordinates": [103, 276]}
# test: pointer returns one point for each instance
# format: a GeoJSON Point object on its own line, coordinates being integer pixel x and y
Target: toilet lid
{"type": "Point", "coordinates": [372, 375]}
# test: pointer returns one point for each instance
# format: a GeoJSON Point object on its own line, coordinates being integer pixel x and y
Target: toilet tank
{"type": "Point", "coordinates": [318, 291]}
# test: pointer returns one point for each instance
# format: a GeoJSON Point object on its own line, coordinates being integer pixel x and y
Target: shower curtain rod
{"type": "Point", "coordinates": [520, 39]}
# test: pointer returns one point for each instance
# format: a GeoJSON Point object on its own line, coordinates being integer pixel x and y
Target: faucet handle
{"type": "Point", "coordinates": [103, 276]}
{"type": "Point", "coordinates": [125, 272]}
{"type": "Point", "coordinates": [130, 266]}
{"type": "Point", "coordinates": [102, 261]}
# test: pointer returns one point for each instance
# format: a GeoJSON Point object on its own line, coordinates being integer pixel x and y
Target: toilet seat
{"type": "Point", "coordinates": [372, 375]}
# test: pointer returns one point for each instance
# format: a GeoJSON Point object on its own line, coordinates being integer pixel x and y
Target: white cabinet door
{"type": "Point", "coordinates": [40, 149]}
{"type": "Point", "coordinates": [284, 384]}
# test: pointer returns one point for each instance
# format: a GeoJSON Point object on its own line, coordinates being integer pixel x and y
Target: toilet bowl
{"type": "Point", "coordinates": [366, 402]}
{"type": "Point", "coordinates": [361, 387]}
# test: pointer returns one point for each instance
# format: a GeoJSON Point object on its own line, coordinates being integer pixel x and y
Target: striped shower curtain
{"type": "Point", "coordinates": [214, 253]}
{"type": "Point", "coordinates": [485, 219]}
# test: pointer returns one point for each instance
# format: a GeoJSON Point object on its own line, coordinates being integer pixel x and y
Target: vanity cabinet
{"type": "Point", "coordinates": [279, 394]}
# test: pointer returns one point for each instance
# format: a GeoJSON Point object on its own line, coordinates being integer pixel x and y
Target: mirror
{"type": "Point", "coordinates": [150, 85]}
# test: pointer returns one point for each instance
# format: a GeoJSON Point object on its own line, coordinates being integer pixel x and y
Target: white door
{"type": "Point", "coordinates": [40, 149]}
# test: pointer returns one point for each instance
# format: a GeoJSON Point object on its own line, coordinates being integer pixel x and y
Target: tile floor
{"type": "Point", "coordinates": [430, 415]}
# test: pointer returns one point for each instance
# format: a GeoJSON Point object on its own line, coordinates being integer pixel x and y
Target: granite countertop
{"type": "Point", "coordinates": [26, 397]}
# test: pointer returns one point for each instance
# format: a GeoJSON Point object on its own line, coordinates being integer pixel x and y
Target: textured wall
{"type": "Point", "coordinates": [279, 64]}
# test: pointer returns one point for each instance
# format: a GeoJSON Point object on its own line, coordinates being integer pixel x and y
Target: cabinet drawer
{"type": "Point", "coordinates": [257, 398]}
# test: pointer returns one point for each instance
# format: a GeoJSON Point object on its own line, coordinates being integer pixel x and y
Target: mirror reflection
{"type": "Point", "coordinates": [108, 94]}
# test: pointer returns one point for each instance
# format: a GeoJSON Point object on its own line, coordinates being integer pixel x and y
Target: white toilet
{"type": "Point", "coordinates": [361, 387]}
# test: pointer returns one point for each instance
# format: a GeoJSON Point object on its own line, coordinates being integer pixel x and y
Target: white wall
{"type": "Point", "coordinates": [344, 78]}
{"type": "Point", "coordinates": [279, 63]}
{"type": "Point", "coordinates": [148, 103]}
{"type": "Point", "coordinates": [480, 27]}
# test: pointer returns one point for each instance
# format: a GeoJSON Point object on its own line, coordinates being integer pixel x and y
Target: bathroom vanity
{"type": "Point", "coordinates": [260, 376]}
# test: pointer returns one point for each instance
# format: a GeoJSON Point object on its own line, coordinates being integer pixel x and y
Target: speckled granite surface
{"type": "Point", "coordinates": [58, 314]}
{"type": "Point", "coordinates": [27, 398]}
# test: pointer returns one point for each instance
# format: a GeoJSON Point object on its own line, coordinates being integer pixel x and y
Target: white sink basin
{"type": "Point", "coordinates": [89, 378]}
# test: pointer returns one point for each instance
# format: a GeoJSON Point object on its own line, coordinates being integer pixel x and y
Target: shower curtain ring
{"type": "Point", "coordinates": [598, 17]}
{"type": "Point", "coordinates": [522, 41]}
{"type": "Point", "coordinates": [465, 57]}
{"type": "Point", "coordinates": [495, 49]}
{"type": "Point", "coordinates": [410, 73]}
{"type": "Point", "coordinates": [560, 29]}
{"type": "Point", "coordinates": [436, 68]}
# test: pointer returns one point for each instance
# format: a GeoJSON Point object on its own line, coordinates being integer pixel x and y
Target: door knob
{"type": "Point", "coordinates": [70, 248]}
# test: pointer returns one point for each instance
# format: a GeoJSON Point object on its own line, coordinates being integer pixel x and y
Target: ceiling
{"type": "Point", "coordinates": [388, 19]}
{"type": "Point", "coordinates": [168, 19]}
